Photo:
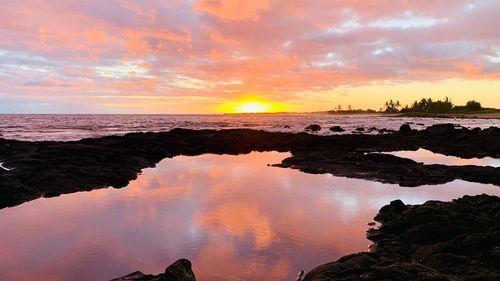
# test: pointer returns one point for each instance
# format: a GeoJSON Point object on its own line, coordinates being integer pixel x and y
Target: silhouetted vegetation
{"type": "Point", "coordinates": [391, 106]}
{"type": "Point", "coordinates": [429, 106]}
{"type": "Point", "coordinates": [470, 106]}
{"type": "Point", "coordinates": [350, 110]}
{"type": "Point", "coordinates": [420, 107]}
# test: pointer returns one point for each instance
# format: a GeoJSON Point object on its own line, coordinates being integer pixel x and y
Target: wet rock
{"type": "Point", "coordinates": [491, 131]}
{"type": "Point", "coordinates": [385, 131]}
{"type": "Point", "coordinates": [455, 240]}
{"type": "Point", "coordinates": [178, 271]}
{"type": "Point", "coordinates": [405, 129]}
{"type": "Point", "coordinates": [136, 276]}
{"type": "Point", "coordinates": [337, 129]}
{"type": "Point", "coordinates": [441, 129]}
{"type": "Point", "coordinates": [476, 130]}
{"type": "Point", "coordinates": [360, 129]}
{"type": "Point", "coordinates": [313, 128]}
{"type": "Point", "coordinates": [391, 211]}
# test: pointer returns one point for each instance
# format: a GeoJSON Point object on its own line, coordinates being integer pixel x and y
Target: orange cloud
{"type": "Point", "coordinates": [298, 52]}
{"type": "Point", "coordinates": [95, 36]}
{"type": "Point", "coordinates": [232, 9]}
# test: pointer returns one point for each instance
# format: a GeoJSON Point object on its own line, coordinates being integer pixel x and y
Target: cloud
{"type": "Point", "coordinates": [232, 9]}
{"type": "Point", "coordinates": [275, 49]}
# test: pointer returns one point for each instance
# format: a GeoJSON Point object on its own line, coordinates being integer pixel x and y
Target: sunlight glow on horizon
{"type": "Point", "coordinates": [252, 105]}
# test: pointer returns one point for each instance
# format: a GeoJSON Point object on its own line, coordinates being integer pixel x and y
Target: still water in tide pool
{"type": "Point", "coordinates": [235, 217]}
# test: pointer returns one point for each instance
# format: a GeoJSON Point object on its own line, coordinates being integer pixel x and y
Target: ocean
{"type": "Point", "coordinates": [65, 127]}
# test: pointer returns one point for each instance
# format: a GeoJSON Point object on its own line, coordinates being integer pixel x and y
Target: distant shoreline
{"type": "Point", "coordinates": [490, 115]}
{"type": "Point", "coordinates": [473, 115]}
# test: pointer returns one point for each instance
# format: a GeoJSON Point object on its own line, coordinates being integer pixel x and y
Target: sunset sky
{"type": "Point", "coordinates": [210, 56]}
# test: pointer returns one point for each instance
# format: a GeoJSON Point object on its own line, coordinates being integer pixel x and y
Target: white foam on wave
{"type": "Point", "coordinates": [5, 168]}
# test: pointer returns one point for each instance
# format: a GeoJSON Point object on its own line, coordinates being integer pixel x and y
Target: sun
{"type": "Point", "coordinates": [251, 105]}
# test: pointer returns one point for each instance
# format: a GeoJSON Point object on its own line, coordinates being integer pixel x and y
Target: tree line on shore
{"type": "Point", "coordinates": [434, 106]}
{"type": "Point", "coordinates": [419, 107]}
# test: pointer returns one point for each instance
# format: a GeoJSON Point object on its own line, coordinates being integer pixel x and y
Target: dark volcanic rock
{"type": "Point", "coordinates": [337, 129]}
{"type": "Point", "coordinates": [178, 271]}
{"type": "Point", "coordinates": [405, 129]}
{"type": "Point", "coordinates": [385, 131]}
{"type": "Point", "coordinates": [391, 211]}
{"type": "Point", "coordinates": [441, 129]}
{"type": "Point", "coordinates": [53, 168]}
{"type": "Point", "coordinates": [457, 240]}
{"type": "Point", "coordinates": [313, 128]}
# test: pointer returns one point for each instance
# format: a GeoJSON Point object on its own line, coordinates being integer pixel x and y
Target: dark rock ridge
{"type": "Point", "coordinates": [313, 128]}
{"type": "Point", "coordinates": [52, 168]}
{"type": "Point", "coordinates": [405, 129]}
{"type": "Point", "coordinates": [178, 271]}
{"type": "Point", "coordinates": [336, 129]}
{"type": "Point", "coordinates": [458, 240]}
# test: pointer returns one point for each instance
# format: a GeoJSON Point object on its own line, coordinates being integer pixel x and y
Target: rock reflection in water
{"type": "Point", "coordinates": [233, 216]}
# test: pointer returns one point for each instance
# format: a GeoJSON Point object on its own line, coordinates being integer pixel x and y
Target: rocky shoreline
{"type": "Point", "coordinates": [47, 169]}
{"type": "Point", "coordinates": [458, 240]}
{"type": "Point", "coordinates": [448, 241]}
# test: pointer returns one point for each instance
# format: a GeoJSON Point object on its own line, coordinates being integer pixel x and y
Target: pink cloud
{"type": "Point", "coordinates": [227, 48]}
{"type": "Point", "coordinates": [232, 9]}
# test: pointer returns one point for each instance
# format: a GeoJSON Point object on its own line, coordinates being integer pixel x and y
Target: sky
{"type": "Point", "coordinates": [210, 56]}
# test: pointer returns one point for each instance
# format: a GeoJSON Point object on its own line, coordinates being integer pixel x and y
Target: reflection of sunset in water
{"type": "Point", "coordinates": [233, 216]}
{"type": "Point", "coordinates": [428, 157]}
{"type": "Point", "coordinates": [240, 219]}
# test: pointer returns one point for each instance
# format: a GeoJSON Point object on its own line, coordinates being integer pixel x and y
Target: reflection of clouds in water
{"type": "Point", "coordinates": [428, 157]}
{"type": "Point", "coordinates": [265, 223]}
{"type": "Point", "coordinates": [239, 219]}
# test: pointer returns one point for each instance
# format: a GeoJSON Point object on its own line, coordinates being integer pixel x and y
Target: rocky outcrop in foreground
{"type": "Point", "coordinates": [178, 271]}
{"type": "Point", "coordinates": [48, 168]}
{"type": "Point", "coordinates": [447, 241]}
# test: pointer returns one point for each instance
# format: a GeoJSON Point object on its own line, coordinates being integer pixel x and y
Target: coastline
{"type": "Point", "coordinates": [51, 168]}
{"type": "Point", "coordinates": [492, 115]}
{"type": "Point", "coordinates": [457, 240]}
{"type": "Point", "coordinates": [451, 115]}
